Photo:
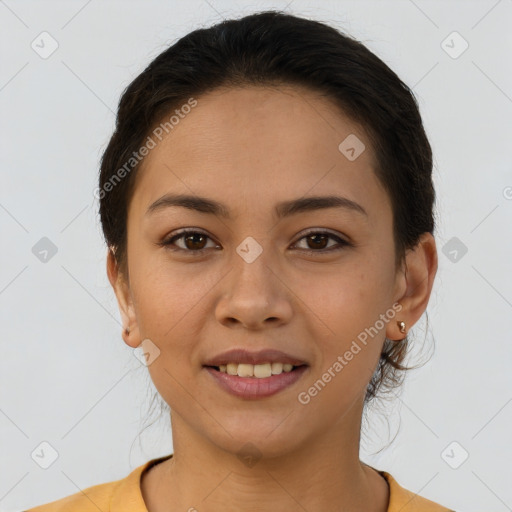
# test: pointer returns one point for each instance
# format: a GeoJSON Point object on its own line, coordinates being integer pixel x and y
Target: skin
{"type": "Point", "coordinates": [250, 148]}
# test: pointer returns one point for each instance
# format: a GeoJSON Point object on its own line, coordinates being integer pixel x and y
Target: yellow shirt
{"type": "Point", "coordinates": [125, 496]}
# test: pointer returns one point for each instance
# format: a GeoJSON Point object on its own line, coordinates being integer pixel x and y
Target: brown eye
{"type": "Point", "coordinates": [316, 242]}
{"type": "Point", "coordinates": [192, 241]}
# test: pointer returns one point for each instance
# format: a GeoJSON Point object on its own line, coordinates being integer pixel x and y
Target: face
{"type": "Point", "coordinates": [306, 282]}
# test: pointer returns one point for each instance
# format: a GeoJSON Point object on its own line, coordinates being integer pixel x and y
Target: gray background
{"type": "Point", "coordinates": [66, 376]}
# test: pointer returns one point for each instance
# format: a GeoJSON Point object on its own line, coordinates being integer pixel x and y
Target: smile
{"type": "Point", "coordinates": [259, 371]}
{"type": "Point", "coordinates": [256, 381]}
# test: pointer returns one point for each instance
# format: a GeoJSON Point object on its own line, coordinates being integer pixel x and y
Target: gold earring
{"type": "Point", "coordinates": [127, 330]}
{"type": "Point", "coordinates": [401, 325]}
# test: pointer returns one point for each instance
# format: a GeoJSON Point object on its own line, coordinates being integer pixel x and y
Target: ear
{"type": "Point", "coordinates": [413, 287]}
{"type": "Point", "coordinates": [124, 300]}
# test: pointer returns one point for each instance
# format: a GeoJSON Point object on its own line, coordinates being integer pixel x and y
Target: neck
{"type": "Point", "coordinates": [323, 474]}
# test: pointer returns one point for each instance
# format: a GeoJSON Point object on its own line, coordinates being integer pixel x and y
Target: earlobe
{"type": "Point", "coordinates": [420, 270]}
{"type": "Point", "coordinates": [121, 289]}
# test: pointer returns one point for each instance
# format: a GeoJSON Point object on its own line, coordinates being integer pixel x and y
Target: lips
{"type": "Point", "coordinates": [243, 356]}
{"type": "Point", "coordinates": [253, 388]}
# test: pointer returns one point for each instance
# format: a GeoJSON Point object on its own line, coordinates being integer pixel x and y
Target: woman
{"type": "Point", "coordinates": [267, 201]}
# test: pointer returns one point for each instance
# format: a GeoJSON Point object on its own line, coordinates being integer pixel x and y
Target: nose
{"type": "Point", "coordinates": [254, 295]}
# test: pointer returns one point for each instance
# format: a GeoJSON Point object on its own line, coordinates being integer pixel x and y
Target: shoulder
{"type": "Point", "coordinates": [403, 500]}
{"type": "Point", "coordinates": [116, 496]}
{"type": "Point", "coordinates": [92, 499]}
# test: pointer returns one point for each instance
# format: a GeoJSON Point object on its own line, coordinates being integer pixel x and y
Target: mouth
{"type": "Point", "coordinates": [252, 382]}
{"type": "Point", "coordinates": [255, 371]}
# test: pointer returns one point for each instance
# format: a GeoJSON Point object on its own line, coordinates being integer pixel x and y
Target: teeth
{"type": "Point", "coordinates": [260, 371]}
{"type": "Point", "coordinates": [277, 368]}
{"type": "Point", "coordinates": [245, 370]}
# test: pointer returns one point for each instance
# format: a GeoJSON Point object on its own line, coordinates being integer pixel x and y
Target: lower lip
{"type": "Point", "coordinates": [252, 387]}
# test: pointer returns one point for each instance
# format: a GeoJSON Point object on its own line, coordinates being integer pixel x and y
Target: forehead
{"type": "Point", "coordinates": [254, 146]}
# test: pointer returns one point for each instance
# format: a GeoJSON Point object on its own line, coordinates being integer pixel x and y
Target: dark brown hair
{"type": "Point", "coordinates": [272, 48]}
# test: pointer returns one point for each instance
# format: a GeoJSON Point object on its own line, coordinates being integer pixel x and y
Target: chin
{"type": "Point", "coordinates": [255, 440]}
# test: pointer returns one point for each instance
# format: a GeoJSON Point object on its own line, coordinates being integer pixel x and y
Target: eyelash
{"type": "Point", "coordinates": [170, 241]}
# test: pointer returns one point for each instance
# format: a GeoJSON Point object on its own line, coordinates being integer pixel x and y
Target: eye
{"type": "Point", "coordinates": [319, 239]}
{"type": "Point", "coordinates": [194, 242]}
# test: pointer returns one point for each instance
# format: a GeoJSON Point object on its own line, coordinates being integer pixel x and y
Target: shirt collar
{"type": "Point", "coordinates": [127, 495]}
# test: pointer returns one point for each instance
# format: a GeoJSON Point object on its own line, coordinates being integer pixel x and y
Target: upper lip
{"type": "Point", "coordinates": [241, 356]}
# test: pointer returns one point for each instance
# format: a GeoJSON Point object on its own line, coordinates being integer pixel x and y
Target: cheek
{"type": "Point", "coordinates": [171, 307]}
{"type": "Point", "coordinates": [349, 304]}
{"type": "Point", "coordinates": [346, 296]}
{"type": "Point", "coordinates": [168, 306]}
{"type": "Point", "coordinates": [169, 297]}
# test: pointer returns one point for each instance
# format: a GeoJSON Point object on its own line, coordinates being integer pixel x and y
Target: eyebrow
{"type": "Point", "coordinates": [282, 209]}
